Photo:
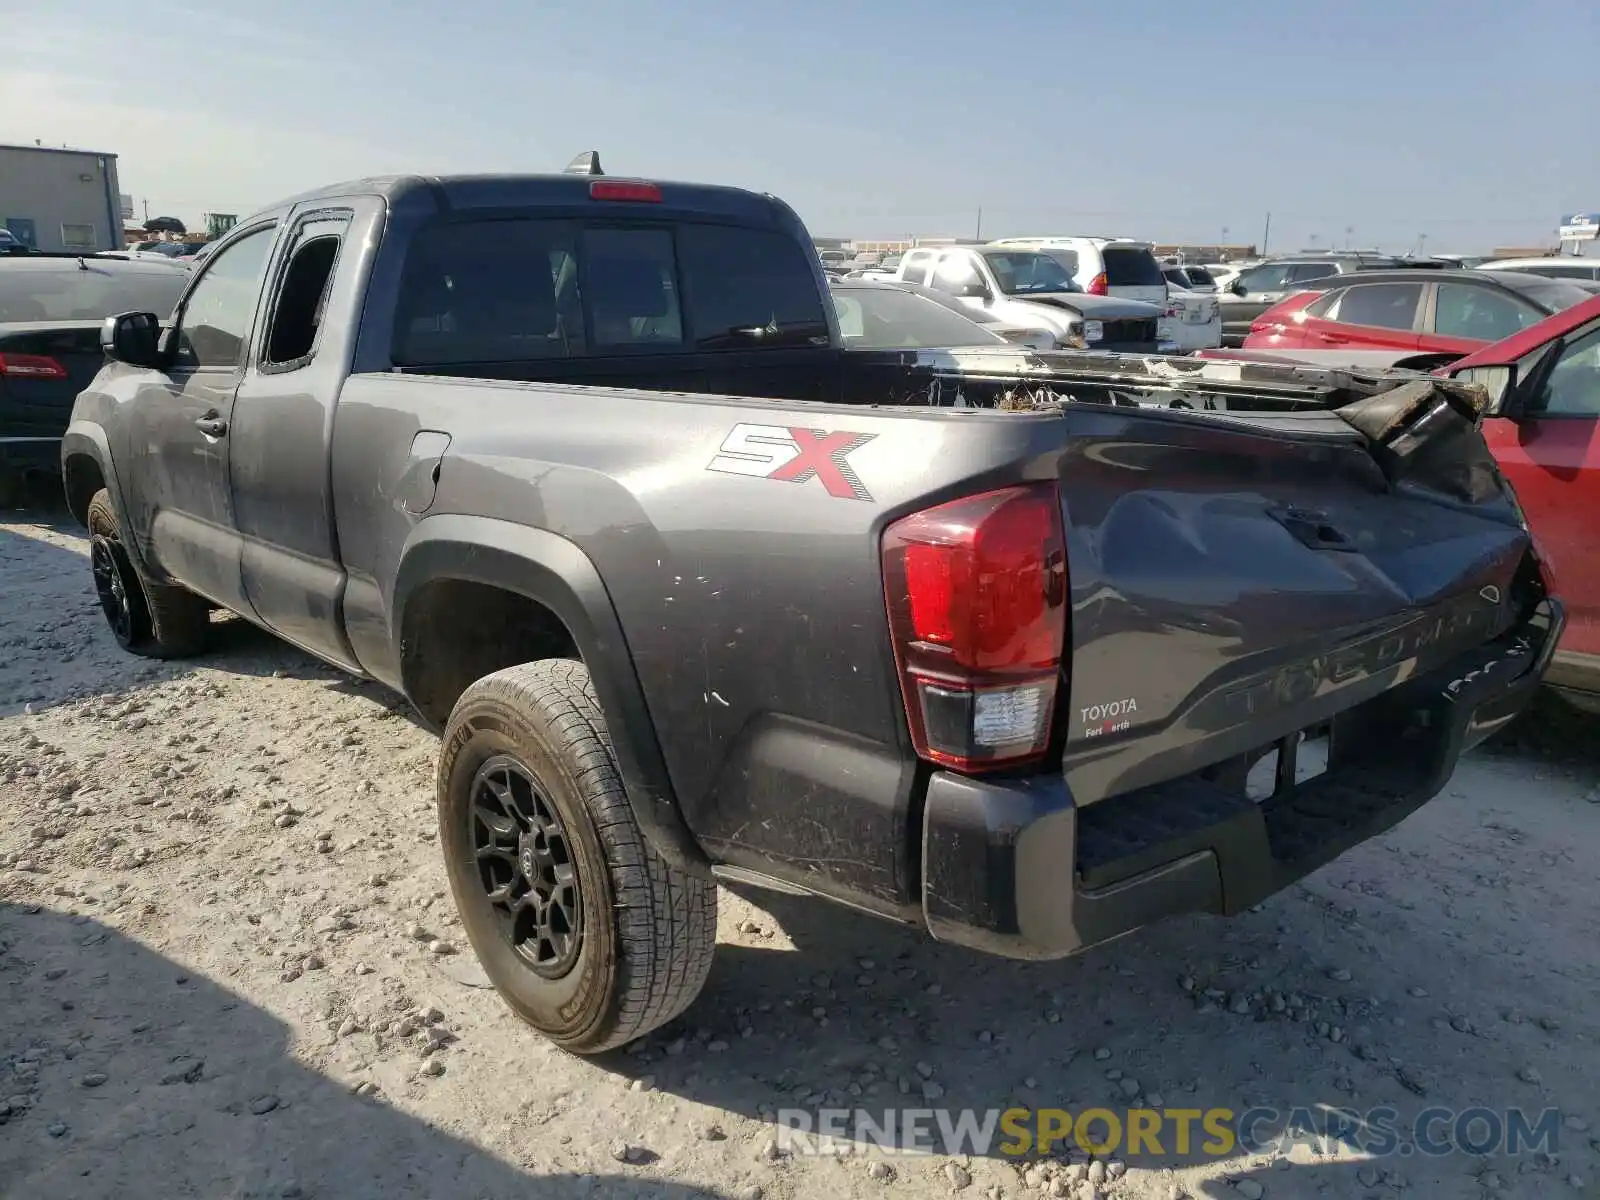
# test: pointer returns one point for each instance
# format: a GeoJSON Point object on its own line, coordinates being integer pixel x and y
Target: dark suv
{"type": "Point", "coordinates": [1263, 286]}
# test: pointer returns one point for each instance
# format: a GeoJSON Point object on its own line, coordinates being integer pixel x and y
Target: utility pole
{"type": "Point", "coordinates": [147, 208]}
{"type": "Point", "coordinates": [1266, 235]}
{"type": "Point", "coordinates": [979, 233]}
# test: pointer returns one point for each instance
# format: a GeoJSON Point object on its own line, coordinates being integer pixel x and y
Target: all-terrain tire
{"type": "Point", "coordinates": [161, 620]}
{"type": "Point", "coordinates": [648, 929]}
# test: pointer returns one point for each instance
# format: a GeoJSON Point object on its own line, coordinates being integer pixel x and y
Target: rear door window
{"type": "Point", "coordinates": [303, 291]}
{"type": "Point", "coordinates": [1464, 311]}
{"type": "Point", "coordinates": [1381, 305]}
{"type": "Point", "coordinates": [1127, 267]}
{"type": "Point", "coordinates": [749, 288]}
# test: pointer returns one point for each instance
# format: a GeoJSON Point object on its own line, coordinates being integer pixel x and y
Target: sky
{"type": "Point", "coordinates": [1360, 122]}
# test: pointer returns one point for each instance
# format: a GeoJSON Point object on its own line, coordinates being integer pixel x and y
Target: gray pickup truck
{"type": "Point", "coordinates": [999, 644]}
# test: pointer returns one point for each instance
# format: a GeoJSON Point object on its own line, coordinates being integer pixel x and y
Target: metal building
{"type": "Point", "coordinates": [54, 199]}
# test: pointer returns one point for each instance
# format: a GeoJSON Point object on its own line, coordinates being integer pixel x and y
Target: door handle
{"type": "Point", "coordinates": [212, 426]}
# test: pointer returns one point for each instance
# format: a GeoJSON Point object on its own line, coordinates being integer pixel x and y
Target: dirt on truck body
{"type": "Point", "coordinates": [580, 467]}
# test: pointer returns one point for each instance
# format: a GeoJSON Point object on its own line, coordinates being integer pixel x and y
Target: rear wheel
{"type": "Point", "coordinates": [152, 619]}
{"type": "Point", "coordinates": [588, 934]}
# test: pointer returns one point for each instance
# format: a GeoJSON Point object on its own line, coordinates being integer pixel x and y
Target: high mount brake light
{"type": "Point", "coordinates": [31, 366]}
{"type": "Point", "coordinates": [977, 598]}
{"type": "Point", "coordinates": [615, 189]}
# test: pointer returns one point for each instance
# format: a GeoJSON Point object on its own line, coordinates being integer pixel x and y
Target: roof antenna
{"type": "Point", "coordinates": [587, 163]}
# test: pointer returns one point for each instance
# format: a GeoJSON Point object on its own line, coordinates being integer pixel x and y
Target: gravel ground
{"type": "Point", "coordinates": [229, 967]}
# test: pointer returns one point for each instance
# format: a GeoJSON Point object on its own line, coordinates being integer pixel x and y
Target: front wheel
{"type": "Point", "coordinates": [153, 619]}
{"type": "Point", "coordinates": [587, 933]}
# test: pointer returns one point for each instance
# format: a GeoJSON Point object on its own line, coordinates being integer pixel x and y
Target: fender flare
{"type": "Point", "coordinates": [87, 439]}
{"type": "Point", "coordinates": [553, 571]}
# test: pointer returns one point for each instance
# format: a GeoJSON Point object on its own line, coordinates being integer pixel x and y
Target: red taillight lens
{"type": "Point", "coordinates": [1099, 286]}
{"type": "Point", "coordinates": [31, 366]}
{"type": "Point", "coordinates": [977, 596]}
{"type": "Point", "coordinates": [612, 189]}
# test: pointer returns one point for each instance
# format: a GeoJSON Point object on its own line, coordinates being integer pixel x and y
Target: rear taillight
{"type": "Point", "coordinates": [1099, 285]}
{"type": "Point", "coordinates": [614, 189]}
{"type": "Point", "coordinates": [31, 366]}
{"type": "Point", "coordinates": [977, 596]}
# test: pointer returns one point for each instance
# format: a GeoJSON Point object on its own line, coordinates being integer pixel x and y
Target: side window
{"type": "Point", "coordinates": [1305, 272]}
{"type": "Point", "coordinates": [630, 290]}
{"type": "Point", "coordinates": [852, 321]}
{"type": "Point", "coordinates": [1464, 311]}
{"type": "Point", "coordinates": [1265, 279]}
{"type": "Point", "coordinates": [954, 272]}
{"type": "Point", "coordinates": [740, 280]}
{"type": "Point", "coordinates": [1574, 387]}
{"type": "Point", "coordinates": [916, 268]}
{"type": "Point", "coordinates": [303, 291]}
{"type": "Point", "coordinates": [1324, 306]}
{"type": "Point", "coordinates": [1381, 305]}
{"type": "Point", "coordinates": [215, 325]}
{"type": "Point", "coordinates": [488, 291]}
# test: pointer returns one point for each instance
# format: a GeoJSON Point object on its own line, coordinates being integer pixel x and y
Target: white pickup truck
{"type": "Point", "coordinates": [1032, 289]}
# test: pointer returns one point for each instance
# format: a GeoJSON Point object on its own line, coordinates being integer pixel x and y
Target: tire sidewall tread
{"type": "Point", "coordinates": [649, 928]}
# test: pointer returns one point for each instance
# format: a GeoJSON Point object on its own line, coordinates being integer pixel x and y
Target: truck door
{"type": "Point", "coordinates": [180, 420]}
{"type": "Point", "coordinates": [281, 443]}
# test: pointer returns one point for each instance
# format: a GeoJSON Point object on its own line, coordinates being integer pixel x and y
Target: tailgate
{"type": "Point", "coordinates": [50, 366]}
{"type": "Point", "coordinates": [1235, 582]}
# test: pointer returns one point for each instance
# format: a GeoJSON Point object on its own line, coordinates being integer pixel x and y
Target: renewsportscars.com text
{"type": "Point", "coordinates": [1130, 1133]}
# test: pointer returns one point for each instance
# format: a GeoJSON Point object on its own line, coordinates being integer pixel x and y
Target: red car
{"type": "Point", "coordinates": [1445, 312]}
{"type": "Point", "coordinates": [1545, 434]}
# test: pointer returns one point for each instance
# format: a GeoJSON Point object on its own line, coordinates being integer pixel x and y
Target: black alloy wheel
{"type": "Point", "coordinates": [112, 586]}
{"type": "Point", "coordinates": [525, 864]}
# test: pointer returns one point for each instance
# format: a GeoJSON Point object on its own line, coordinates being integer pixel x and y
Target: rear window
{"type": "Point", "coordinates": [503, 290]}
{"type": "Point", "coordinates": [489, 291]}
{"type": "Point", "coordinates": [87, 293]}
{"type": "Point", "coordinates": [1554, 295]}
{"type": "Point", "coordinates": [748, 287]}
{"type": "Point", "coordinates": [1127, 267]}
{"type": "Point", "coordinates": [1558, 272]}
{"type": "Point", "coordinates": [1200, 277]}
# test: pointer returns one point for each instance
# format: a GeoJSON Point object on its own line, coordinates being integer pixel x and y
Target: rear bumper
{"type": "Point", "coordinates": [1016, 868]}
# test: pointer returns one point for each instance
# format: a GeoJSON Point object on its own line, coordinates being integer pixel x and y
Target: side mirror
{"type": "Point", "coordinates": [1237, 287]}
{"type": "Point", "coordinates": [1514, 394]}
{"type": "Point", "coordinates": [975, 289]}
{"type": "Point", "coordinates": [1497, 381]}
{"type": "Point", "coordinates": [133, 338]}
